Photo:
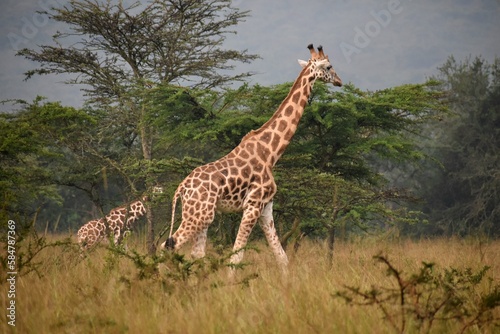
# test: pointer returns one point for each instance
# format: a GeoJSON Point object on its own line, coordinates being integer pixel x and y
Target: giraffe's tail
{"type": "Point", "coordinates": [177, 194]}
{"type": "Point", "coordinates": [170, 242]}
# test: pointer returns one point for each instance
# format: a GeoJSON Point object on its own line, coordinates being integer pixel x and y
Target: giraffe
{"type": "Point", "coordinates": [116, 223]}
{"type": "Point", "coordinates": [242, 181]}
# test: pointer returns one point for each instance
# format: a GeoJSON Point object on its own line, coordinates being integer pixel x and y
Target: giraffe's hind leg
{"type": "Point", "coordinates": [190, 228]}
{"type": "Point", "coordinates": [200, 242]}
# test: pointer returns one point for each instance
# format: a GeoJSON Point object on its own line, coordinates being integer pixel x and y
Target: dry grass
{"type": "Point", "coordinates": [103, 293]}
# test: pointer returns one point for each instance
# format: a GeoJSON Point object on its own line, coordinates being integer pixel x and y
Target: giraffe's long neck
{"type": "Point", "coordinates": [278, 131]}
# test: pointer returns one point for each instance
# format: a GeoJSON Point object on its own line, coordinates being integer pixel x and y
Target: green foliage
{"type": "Point", "coordinates": [35, 147]}
{"type": "Point", "coordinates": [420, 301]}
{"type": "Point", "coordinates": [346, 130]}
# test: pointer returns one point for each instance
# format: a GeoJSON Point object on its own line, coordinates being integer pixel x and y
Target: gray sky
{"type": "Point", "coordinates": [374, 44]}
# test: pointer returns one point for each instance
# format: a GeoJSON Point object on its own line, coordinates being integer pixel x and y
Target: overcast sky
{"type": "Point", "coordinates": [374, 44]}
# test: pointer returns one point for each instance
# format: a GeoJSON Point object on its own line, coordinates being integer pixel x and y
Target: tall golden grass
{"type": "Point", "coordinates": [103, 292]}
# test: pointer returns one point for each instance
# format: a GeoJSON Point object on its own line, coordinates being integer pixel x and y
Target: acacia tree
{"type": "Point", "coordinates": [117, 52]}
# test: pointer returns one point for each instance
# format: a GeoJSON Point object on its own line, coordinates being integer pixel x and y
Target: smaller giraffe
{"type": "Point", "coordinates": [116, 223]}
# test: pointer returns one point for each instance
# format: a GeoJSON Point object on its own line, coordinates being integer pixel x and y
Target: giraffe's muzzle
{"type": "Point", "coordinates": [336, 81]}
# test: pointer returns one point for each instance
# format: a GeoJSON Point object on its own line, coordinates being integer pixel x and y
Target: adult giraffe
{"type": "Point", "coordinates": [242, 181]}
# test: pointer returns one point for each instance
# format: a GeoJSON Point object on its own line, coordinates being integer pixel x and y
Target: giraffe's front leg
{"type": "Point", "coordinates": [248, 221]}
{"type": "Point", "coordinates": [266, 222]}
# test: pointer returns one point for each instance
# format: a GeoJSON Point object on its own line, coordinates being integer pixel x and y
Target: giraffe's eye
{"type": "Point", "coordinates": [329, 67]}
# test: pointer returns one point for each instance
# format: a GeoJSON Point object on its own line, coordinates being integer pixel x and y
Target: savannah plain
{"type": "Point", "coordinates": [122, 291]}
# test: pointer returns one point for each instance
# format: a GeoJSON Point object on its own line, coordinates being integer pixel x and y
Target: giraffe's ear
{"type": "Point", "coordinates": [302, 63]}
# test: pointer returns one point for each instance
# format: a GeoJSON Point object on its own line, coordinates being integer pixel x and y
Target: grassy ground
{"type": "Point", "coordinates": [109, 293]}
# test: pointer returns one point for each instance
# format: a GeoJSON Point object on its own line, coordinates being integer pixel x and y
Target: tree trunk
{"type": "Point", "coordinates": [150, 231]}
{"type": "Point", "coordinates": [146, 139]}
{"type": "Point", "coordinates": [286, 237]}
{"type": "Point", "coordinates": [331, 242]}
{"type": "Point", "coordinates": [331, 228]}
{"type": "Point", "coordinates": [298, 241]}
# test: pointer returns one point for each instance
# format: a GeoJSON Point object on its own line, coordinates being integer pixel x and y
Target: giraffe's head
{"type": "Point", "coordinates": [321, 67]}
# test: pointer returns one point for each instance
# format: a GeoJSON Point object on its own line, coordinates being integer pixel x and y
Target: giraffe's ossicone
{"type": "Point", "coordinates": [242, 181]}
